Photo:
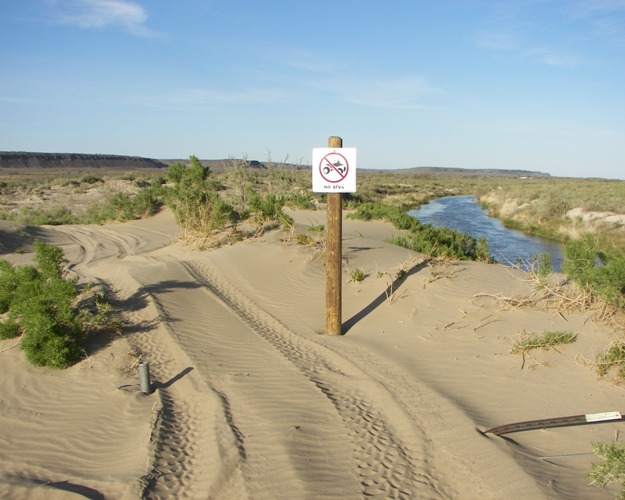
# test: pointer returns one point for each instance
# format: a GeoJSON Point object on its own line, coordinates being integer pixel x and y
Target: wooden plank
{"type": "Point", "coordinates": [334, 256]}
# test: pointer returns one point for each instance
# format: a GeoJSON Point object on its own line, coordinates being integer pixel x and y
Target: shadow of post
{"type": "Point", "coordinates": [383, 297]}
{"type": "Point", "coordinates": [172, 380]}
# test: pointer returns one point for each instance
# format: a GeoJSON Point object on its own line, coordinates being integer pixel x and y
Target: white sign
{"type": "Point", "coordinates": [334, 170]}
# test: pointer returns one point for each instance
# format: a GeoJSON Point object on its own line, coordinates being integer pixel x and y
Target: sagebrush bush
{"type": "Point", "coordinates": [299, 200]}
{"type": "Point", "coordinates": [52, 216]}
{"type": "Point", "coordinates": [9, 329]}
{"type": "Point", "coordinates": [8, 284]}
{"type": "Point", "coordinates": [91, 179]}
{"type": "Point", "coordinates": [612, 359]}
{"type": "Point", "coordinates": [425, 238]}
{"type": "Point", "coordinates": [267, 208]}
{"type": "Point", "coordinates": [395, 215]}
{"type": "Point", "coordinates": [124, 207]}
{"type": "Point", "coordinates": [41, 307]}
{"type": "Point", "coordinates": [598, 272]}
{"type": "Point", "coordinates": [611, 468]}
{"type": "Point", "coordinates": [41, 304]}
{"type": "Point", "coordinates": [547, 340]}
{"type": "Point", "coordinates": [241, 180]}
{"type": "Point", "coordinates": [195, 200]}
{"type": "Point", "coordinates": [357, 275]}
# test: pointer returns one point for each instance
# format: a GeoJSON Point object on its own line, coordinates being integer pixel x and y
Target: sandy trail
{"type": "Point", "coordinates": [252, 402]}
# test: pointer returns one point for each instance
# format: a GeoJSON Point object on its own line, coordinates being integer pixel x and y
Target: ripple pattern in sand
{"type": "Point", "coordinates": [387, 463]}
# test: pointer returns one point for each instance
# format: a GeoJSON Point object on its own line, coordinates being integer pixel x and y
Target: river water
{"type": "Point", "coordinates": [507, 246]}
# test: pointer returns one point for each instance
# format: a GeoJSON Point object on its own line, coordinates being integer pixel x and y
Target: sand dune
{"type": "Point", "coordinates": [251, 401]}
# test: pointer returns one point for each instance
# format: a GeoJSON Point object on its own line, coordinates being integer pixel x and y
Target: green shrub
{"type": "Point", "coordinates": [612, 468]}
{"type": "Point", "coordinates": [194, 200]}
{"type": "Point", "coordinates": [299, 200]}
{"type": "Point", "coordinates": [123, 207]}
{"type": "Point", "coordinates": [8, 284]}
{"type": "Point", "coordinates": [41, 306]}
{"type": "Point", "coordinates": [543, 266]}
{"type": "Point", "coordinates": [241, 179]}
{"type": "Point", "coordinates": [614, 358]}
{"type": "Point", "coordinates": [601, 274]}
{"type": "Point", "coordinates": [443, 242]}
{"type": "Point", "coordinates": [268, 207]}
{"type": "Point", "coordinates": [482, 250]}
{"type": "Point", "coordinates": [221, 213]}
{"type": "Point", "coordinates": [49, 260]}
{"type": "Point", "coordinates": [598, 272]}
{"type": "Point", "coordinates": [91, 179]}
{"type": "Point", "coordinates": [52, 216]}
{"type": "Point", "coordinates": [579, 260]}
{"type": "Point", "coordinates": [395, 215]}
{"type": "Point", "coordinates": [548, 340]}
{"type": "Point", "coordinates": [425, 238]}
{"type": "Point", "coordinates": [9, 329]}
{"type": "Point", "coordinates": [47, 341]}
{"type": "Point", "coordinates": [148, 201]}
{"type": "Point", "coordinates": [357, 275]}
{"type": "Point", "coordinates": [303, 239]}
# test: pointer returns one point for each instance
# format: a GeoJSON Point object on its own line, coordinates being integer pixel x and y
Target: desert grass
{"type": "Point", "coordinates": [557, 292]}
{"type": "Point", "coordinates": [613, 359]}
{"type": "Point", "coordinates": [393, 290]}
{"type": "Point", "coordinates": [441, 268]}
{"type": "Point", "coordinates": [357, 275]}
{"type": "Point", "coordinates": [611, 468]}
{"type": "Point", "coordinates": [534, 205]}
{"type": "Point", "coordinates": [544, 207]}
{"type": "Point", "coordinates": [545, 341]}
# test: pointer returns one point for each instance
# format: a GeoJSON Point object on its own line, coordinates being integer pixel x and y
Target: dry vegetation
{"type": "Point", "coordinates": [214, 208]}
{"type": "Point", "coordinates": [562, 209]}
{"type": "Point", "coordinates": [35, 197]}
{"type": "Point", "coordinates": [558, 208]}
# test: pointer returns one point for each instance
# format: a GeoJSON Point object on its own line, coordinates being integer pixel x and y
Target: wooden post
{"type": "Point", "coordinates": [334, 256]}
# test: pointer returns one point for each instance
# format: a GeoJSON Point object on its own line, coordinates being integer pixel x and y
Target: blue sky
{"type": "Point", "coordinates": [528, 84]}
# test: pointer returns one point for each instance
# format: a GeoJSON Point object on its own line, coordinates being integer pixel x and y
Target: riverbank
{"type": "Point", "coordinates": [506, 246]}
{"type": "Point", "coordinates": [562, 209]}
{"type": "Point", "coordinates": [251, 401]}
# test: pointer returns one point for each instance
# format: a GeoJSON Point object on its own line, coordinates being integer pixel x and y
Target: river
{"type": "Point", "coordinates": [507, 246]}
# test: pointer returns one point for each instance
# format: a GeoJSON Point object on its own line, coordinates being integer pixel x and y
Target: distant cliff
{"type": "Point", "coordinates": [21, 160]}
{"type": "Point", "coordinates": [25, 160]}
{"type": "Point", "coordinates": [475, 171]}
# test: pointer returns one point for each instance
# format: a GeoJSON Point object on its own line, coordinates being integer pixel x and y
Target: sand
{"type": "Point", "coordinates": [251, 400]}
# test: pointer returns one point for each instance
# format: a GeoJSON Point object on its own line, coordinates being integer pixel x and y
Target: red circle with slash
{"type": "Point", "coordinates": [334, 167]}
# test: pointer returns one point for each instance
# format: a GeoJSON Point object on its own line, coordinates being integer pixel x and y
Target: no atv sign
{"type": "Point", "coordinates": [334, 170]}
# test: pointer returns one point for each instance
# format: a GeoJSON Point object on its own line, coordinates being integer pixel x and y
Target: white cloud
{"type": "Point", "coordinates": [19, 100]}
{"type": "Point", "coordinates": [221, 96]}
{"type": "Point", "coordinates": [308, 61]}
{"type": "Point", "coordinates": [605, 16]}
{"type": "Point", "coordinates": [193, 97]}
{"type": "Point", "coordinates": [512, 41]}
{"type": "Point", "coordinates": [552, 57]}
{"type": "Point", "coordinates": [382, 92]}
{"type": "Point", "coordinates": [538, 30]}
{"type": "Point", "coordinates": [587, 7]}
{"type": "Point", "coordinates": [311, 75]}
{"type": "Point", "coordinates": [100, 13]}
{"type": "Point", "coordinates": [498, 40]}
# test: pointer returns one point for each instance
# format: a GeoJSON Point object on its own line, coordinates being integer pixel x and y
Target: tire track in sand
{"type": "Point", "coordinates": [193, 447]}
{"type": "Point", "coordinates": [390, 456]}
{"type": "Point", "coordinates": [97, 245]}
{"type": "Point", "coordinates": [273, 443]}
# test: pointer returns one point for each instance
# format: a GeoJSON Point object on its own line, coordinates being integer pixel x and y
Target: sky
{"type": "Point", "coordinates": [517, 84]}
